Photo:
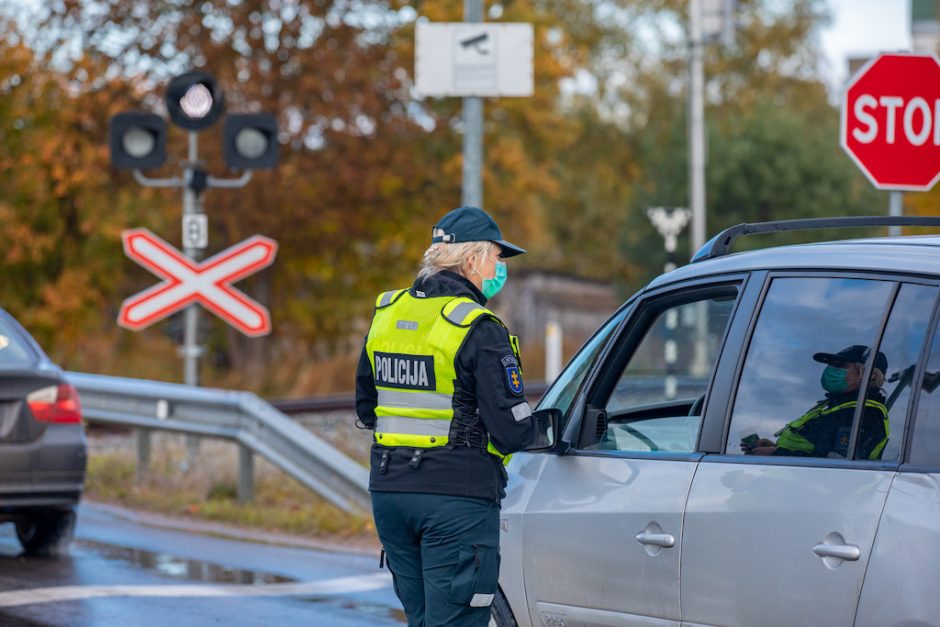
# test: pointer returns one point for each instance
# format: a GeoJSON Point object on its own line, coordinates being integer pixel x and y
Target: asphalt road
{"type": "Point", "coordinates": [123, 572]}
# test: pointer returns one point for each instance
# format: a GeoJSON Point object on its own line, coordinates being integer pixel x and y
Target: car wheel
{"type": "Point", "coordinates": [500, 613]}
{"type": "Point", "coordinates": [47, 532]}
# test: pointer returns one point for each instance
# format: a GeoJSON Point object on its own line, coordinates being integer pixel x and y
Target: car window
{"type": "Point", "coordinates": [901, 344]}
{"type": "Point", "coordinates": [655, 404]}
{"type": "Point", "coordinates": [562, 391]}
{"type": "Point", "coordinates": [674, 360]}
{"type": "Point", "coordinates": [14, 351]}
{"type": "Point", "coordinates": [799, 385]}
{"type": "Point", "coordinates": [925, 441]}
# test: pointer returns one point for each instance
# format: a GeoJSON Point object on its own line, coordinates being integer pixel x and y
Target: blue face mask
{"type": "Point", "coordinates": [492, 286]}
{"type": "Point", "coordinates": [834, 379]}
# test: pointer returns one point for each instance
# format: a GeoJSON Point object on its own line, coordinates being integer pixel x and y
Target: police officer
{"type": "Point", "coordinates": [825, 430]}
{"type": "Point", "coordinates": [440, 383]}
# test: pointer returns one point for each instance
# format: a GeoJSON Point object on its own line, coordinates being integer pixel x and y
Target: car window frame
{"type": "Point", "coordinates": [914, 407]}
{"type": "Point", "coordinates": [660, 295]}
{"type": "Point", "coordinates": [898, 280]}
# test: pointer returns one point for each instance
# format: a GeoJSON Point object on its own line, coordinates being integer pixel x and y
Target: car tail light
{"type": "Point", "coordinates": [56, 403]}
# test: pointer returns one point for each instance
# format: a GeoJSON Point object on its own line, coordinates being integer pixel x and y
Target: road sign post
{"type": "Point", "coordinates": [472, 186]}
{"type": "Point", "coordinates": [194, 102]}
{"type": "Point", "coordinates": [891, 124]}
{"type": "Point", "coordinates": [473, 60]}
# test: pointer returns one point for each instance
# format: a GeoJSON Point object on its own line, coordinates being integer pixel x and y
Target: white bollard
{"type": "Point", "coordinates": [553, 356]}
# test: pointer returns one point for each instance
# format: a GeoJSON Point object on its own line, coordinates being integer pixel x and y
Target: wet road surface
{"type": "Point", "coordinates": [120, 572]}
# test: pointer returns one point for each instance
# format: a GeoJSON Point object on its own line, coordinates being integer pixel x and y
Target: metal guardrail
{"type": "Point", "coordinates": [238, 416]}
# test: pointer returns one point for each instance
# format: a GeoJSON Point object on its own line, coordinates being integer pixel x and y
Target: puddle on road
{"type": "Point", "coordinates": [207, 572]}
{"type": "Point", "coordinates": [180, 568]}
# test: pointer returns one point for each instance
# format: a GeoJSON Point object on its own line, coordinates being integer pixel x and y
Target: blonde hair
{"type": "Point", "coordinates": [454, 257]}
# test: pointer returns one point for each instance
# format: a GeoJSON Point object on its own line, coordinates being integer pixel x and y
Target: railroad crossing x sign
{"type": "Point", "coordinates": [186, 281]}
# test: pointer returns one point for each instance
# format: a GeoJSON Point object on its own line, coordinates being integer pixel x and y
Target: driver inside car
{"type": "Point", "coordinates": [825, 430]}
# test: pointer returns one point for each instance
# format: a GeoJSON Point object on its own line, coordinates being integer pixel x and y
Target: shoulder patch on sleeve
{"type": "Point", "coordinates": [509, 360]}
{"type": "Point", "coordinates": [514, 380]}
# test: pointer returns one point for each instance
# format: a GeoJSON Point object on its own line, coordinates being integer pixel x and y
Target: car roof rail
{"type": "Point", "coordinates": [720, 245]}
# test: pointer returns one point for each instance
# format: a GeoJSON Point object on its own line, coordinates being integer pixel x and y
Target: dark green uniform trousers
{"type": "Point", "coordinates": [443, 552]}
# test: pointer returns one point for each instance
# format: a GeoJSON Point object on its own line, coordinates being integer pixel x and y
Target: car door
{"type": "Point", "coordinates": [784, 538]}
{"type": "Point", "coordinates": [602, 526]}
{"type": "Point", "coordinates": [907, 547]}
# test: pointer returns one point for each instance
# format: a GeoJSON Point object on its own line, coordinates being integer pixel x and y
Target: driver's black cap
{"type": "Point", "coordinates": [470, 224]}
{"type": "Point", "coordinates": [856, 354]}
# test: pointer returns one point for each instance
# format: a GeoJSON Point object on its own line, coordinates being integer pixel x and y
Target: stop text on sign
{"type": "Point", "coordinates": [919, 119]}
{"type": "Point", "coordinates": [891, 121]}
{"type": "Point", "coordinates": [186, 281]}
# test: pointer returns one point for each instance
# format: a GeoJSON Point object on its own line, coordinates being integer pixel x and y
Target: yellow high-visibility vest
{"type": "Point", "coordinates": [412, 345]}
{"type": "Point", "coordinates": [790, 438]}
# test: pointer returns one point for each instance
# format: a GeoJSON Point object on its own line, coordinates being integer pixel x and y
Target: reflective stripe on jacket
{"type": "Point", "coordinates": [791, 439]}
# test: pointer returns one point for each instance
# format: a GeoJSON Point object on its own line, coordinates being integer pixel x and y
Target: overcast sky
{"type": "Point", "coordinates": [861, 28]}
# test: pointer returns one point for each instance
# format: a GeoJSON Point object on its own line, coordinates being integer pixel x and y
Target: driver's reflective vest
{"type": "Point", "coordinates": [790, 438]}
{"type": "Point", "coordinates": [412, 345]}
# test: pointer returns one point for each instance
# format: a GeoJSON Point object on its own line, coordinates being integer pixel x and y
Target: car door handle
{"type": "Point", "coordinates": [663, 540]}
{"type": "Point", "coordinates": [848, 552]}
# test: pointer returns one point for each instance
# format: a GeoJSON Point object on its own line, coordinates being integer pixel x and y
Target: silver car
{"type": "Point", "coordinates": [652, 506]}
{"type": "Point", "coordinates": [42, 444]}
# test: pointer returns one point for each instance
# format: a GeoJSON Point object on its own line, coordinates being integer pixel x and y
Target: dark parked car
{"type": "Point", "coordinates": [42, 444]}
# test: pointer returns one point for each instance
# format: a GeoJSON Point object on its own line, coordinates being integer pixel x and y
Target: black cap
{"type": "Point", "coordinates": [856, 354]}
{"type": "Point", "coordinates": [470, 224]}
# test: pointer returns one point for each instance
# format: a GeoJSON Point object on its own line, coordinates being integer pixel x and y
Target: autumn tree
{"type": "Point", "coordinates": [366, 166]}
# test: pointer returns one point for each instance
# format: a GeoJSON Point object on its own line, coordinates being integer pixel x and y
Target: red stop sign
{"type": "Point", "coordinates": [891, 121]}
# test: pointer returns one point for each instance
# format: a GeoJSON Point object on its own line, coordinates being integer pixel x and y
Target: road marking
{"type": "Point", "coordinates": [340, 585]}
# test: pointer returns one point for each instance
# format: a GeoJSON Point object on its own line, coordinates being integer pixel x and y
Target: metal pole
{"type": "Point", "coordinates": [895, 210]}
{"type": "Point", "coordinates": [472, 194]}
{"type": "Point", "coordinates": [696, 125]}
{"type": "Point", "coordinates": [246, 474]}
{"type": "Point", "coordinates": [669, 223]}
{"type": "Point", "coordinates": [670, 347]}
{"type": "Point", "coordinates": [143, 454]}
{"type": "Point", "coordinates": [192, 204]}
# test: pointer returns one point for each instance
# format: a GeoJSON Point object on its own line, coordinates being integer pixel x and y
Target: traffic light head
{"type": "Point", "coordinates": [194, 101]}
{"type": "Point", "coordinates": [137, 140]}
{"type": "Point", "coordinates": [249, 142]}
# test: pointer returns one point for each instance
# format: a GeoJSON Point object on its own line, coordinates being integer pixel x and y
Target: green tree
{"type": "Point", "coordinates": [772, 131]}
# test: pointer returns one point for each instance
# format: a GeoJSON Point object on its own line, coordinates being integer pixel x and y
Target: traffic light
{"type": "Point", "coordinates": [194, 101]}
{"type": "Point", "coordinates": [249, 141]}
{"type": "Point", "coordinates": [137, 140]}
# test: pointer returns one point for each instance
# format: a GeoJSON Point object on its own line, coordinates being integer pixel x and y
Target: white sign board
{"type": "Point", "coordinates": [473, 59]}
{"type": "Point", "coordinates": [195, 230]}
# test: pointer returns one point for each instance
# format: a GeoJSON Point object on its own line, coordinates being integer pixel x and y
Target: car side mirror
{"type": "Point", "coordinates": [547, 423]}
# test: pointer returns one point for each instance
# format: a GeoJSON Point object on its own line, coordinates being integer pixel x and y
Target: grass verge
{"type": "Point", "coordinates": [281, 504]}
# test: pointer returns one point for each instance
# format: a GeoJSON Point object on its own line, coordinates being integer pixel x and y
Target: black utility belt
{"type": "Point", "coordinates": [417, 454]}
